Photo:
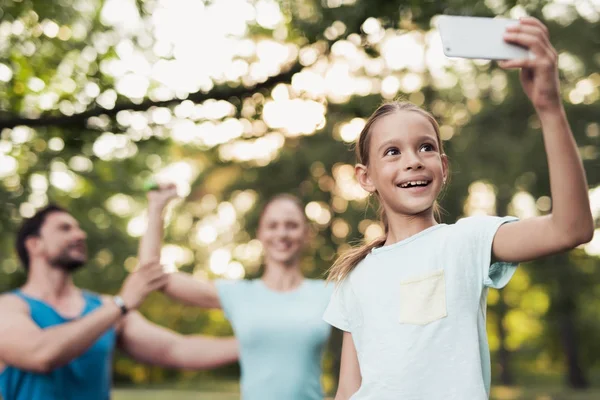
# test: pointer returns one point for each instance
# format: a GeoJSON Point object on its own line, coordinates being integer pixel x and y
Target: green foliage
{"type": "Point", "coordinates": [58, 108]}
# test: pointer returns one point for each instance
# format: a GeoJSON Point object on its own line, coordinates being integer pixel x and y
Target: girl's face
{"type": "Point", "coordinates": [283, 232]}
{"type": "Point", "coordinates": [406, 167]}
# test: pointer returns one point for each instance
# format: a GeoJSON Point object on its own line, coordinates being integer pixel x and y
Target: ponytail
{"type": "Point", "coordinates": [349, 260]}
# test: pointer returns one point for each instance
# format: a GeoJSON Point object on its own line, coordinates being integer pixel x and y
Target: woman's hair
{"type": "Point", "coordinates": [282, 196]}
{"type": "Point", "coordinates": [346, 263]}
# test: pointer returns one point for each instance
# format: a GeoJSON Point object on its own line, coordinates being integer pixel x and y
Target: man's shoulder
{"type": "Point", "coordinates": [10, 302]}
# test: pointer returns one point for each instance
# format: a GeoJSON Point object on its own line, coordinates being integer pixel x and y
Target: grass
{"type": "Point", "coordinates": [498, 393]}
{"type": "Point", "coordinates": [545, 393]}
{"type": "Point", "coordinates": [164, 394]}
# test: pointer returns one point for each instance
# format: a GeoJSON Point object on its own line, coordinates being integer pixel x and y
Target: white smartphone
{"type": "Point", "coordinates": [478, 37]}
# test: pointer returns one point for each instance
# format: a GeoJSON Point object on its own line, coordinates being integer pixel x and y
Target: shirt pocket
{"type": "Point", "coordinates": [423, 299]}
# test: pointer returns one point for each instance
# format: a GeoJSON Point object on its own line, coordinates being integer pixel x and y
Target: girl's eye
{"type": "Point", "coordinates": [427, 147]}
{"type": "Point", "coordinates": [392, 151]}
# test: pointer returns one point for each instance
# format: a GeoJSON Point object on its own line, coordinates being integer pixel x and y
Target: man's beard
{"type": "Point", "coordinates": [67, 263]}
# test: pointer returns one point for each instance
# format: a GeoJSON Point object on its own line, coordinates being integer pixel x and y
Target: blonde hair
{"type": "Point", "coordinates": [349, 260]}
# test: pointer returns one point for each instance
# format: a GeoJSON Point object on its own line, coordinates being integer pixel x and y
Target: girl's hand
{"type": "Point", "coordinates": [539, 75]}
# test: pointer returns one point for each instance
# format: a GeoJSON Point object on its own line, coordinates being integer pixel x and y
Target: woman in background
{"type": "Point", "coordinates": [277, 318]}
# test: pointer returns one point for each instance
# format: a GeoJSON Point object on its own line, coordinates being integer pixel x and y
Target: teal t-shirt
{"type": "Point", "coordinates": [282, 337]}
{"type": "Point", "coordinates": [85, 377]}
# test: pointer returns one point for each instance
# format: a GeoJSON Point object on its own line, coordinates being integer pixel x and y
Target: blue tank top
{"type": "Point", "coordinates": [86, 377]}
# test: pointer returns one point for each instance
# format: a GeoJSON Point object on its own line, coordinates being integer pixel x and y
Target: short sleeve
{"type": "Point", "coordinates": [336, 313]}
{"type": "Point", "coordinates": [498, 274]}
{"type": "Point", "coordinates": [229, 292]}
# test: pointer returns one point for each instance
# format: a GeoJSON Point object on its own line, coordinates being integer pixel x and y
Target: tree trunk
{"type": "Point", "coordinates": [506, 377]}
{"type": "Point", "coordinates": [335, 346]}
{"type": "Point", "coordinates": [568, 336]}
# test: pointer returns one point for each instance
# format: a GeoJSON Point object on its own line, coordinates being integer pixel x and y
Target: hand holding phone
{"type": "Point", "coordinates": [479, 38]}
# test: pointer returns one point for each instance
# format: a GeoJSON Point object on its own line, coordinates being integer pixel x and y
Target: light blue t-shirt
{"type": "Point", "coordinates": [282, 337]}
{"type": "Point", "coordinates": [416, 310]}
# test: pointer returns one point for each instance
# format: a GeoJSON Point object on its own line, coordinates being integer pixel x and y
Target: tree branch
{"type": "Point", "coordinates": [222, 92]}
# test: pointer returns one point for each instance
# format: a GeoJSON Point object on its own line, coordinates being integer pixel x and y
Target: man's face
{"type": "Point", "coordinates": [61, 242]}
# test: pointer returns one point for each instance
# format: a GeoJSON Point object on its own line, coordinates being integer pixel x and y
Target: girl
{"type": "Point", "coordinates": [412, 304]}
{"type": "Point", "coordinates": [277, 318]}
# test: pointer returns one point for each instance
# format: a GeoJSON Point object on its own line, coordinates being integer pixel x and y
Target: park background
{"type": "Point", "coordinates": [238, 100]}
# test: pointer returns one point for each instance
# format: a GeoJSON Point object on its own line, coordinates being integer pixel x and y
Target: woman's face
{"type": "Point", "coordinates": [283, 232]}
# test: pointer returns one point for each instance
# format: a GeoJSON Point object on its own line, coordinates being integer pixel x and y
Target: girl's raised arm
{"type": "Point", "coordinates": [570, 222]}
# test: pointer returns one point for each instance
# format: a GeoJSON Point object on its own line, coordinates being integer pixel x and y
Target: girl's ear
{"type": "Point", "coordinates": [362, 175]}
{"type": "Point", "coordinates": [445, 167]}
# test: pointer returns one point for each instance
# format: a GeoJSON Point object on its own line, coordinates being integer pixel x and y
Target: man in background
{"type": "Point", "coordinates": [57, 341]}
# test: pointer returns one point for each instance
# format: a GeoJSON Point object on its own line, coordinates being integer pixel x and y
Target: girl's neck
{"type": "Point", "coordinates": [402, 227]}
{"type": "Point", "coordinates": [282, 278]}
